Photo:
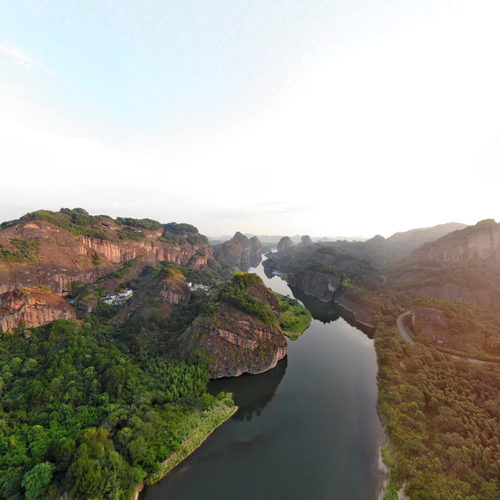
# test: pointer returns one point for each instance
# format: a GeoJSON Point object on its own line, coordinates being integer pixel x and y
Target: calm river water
{"type": "Point", "coordinates": [307, 429]}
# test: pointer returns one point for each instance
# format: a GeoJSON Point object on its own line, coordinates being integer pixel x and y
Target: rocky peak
{"type": "Point", "coordinates": [480, 242]}
{"type": "Point", "coordinates": [239, 251]}
{"type": "Point", "coordinates": [255, 244]}
{"type": "Point", "coordinates": [306, 240]}
{"type": "Point", "coordinates": [240, 334]}
{"type": "Point", "coordinates": [284, 244]}
{"type": "Point", "coordinates": [241, 239]}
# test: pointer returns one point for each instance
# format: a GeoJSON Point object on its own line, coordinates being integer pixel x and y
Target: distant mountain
{"type": "Point", "coordinates": [272, 240]}
{"type": "Point", "coordinates": [463, 264]}
{"type": "Point", "coordinates": [385, 251]}
{"type": "Point", "coordinates": [240, 251]}
{"type": "Point", "coordinates": [479, 242]}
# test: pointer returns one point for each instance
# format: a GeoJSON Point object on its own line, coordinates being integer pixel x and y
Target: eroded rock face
{"type": "Point", "coordinates": [62, 258]}
{"type": "Point", "coordinates": [285, 244]}
{"type": "Point", "coordinates": [240, 251]}
{"type": "Point", "coordinates": [480, 242]}
{"type": "Point", "coordinates": [32, 307]}
{"type": "Point", "coordinates": [319, 285]}
{"type": "Point", "coordinates": [173, 289]}
{"type": "Point", "coordinates": [158, 296]}
{"type": "Point", "coordinates": [235, 343]}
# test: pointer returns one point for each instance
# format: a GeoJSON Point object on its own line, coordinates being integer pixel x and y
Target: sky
{"type": "Point", "coordinates": [339, 117]}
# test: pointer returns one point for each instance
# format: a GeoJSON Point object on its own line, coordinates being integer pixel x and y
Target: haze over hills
{"type": "Point", "coordinates": [273, 239]}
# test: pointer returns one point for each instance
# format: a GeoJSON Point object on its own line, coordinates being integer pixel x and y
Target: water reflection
{"type": "Point", "coordinates": [252, 393]}
{"type": "Point", "coordinates": [322, 311]}
{"type": "Point", "coordinates": [248, 265]}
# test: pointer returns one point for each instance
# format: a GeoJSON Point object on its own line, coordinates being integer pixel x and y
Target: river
{"type": "Point", "coordinates": [307, 429]}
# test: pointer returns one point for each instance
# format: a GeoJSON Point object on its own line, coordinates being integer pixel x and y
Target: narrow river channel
{"type": "Point", "coordinates": [307, 429]}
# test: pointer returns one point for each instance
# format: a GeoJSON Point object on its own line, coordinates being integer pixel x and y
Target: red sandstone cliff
{"type": "Point", "coordinates": [235, 342]}
{"type": "Point", "coordinates": [31, 307]}
{"type": "Point", "coordinates": [38, 252]}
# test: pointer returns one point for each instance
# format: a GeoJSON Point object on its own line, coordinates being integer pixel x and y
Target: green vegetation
{"type": "Point", "coordinates": [182, 234]}
{"type": "Point", "coordinates": [466, 328]}
{"type": "Point", "coordinates": [322, 267]}
{"type": "Point", "coordinates": [236, 293]}
{"type": "Point", "coordinates": [148, 224]}
{"type": "Point", "coordinates": [78, 413]}
{"type": "Point", "coordinates": [182, 229]}
{"type": "Point", "coordinates": [442, 418]}
{"type": "Point", "coordinates": [76, 221]}
{"type": "Point", "coordinates": [197, 427]}
{"type": "Point", "coordinates": [294, 317]}
{"type": "Point", "coordinates": [23, 251]}
{"type": "Point", "coordinates": [172, 239]}
{"type": "Point", "coordinates": [124, 271]}
{"type": "Point", "coordinates": [127, 233]}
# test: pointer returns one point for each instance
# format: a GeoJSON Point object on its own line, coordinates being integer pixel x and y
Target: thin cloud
{"type": "Point", "coordinates": [21, 58]}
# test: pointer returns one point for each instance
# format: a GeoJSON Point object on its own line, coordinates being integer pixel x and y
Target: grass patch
{"type": "Point", "coordinates": [294, 317]}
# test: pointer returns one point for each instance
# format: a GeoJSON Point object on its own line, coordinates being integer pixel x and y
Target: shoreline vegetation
{"type": "Point", "coordinates": [295, 319]}
{"type": "Point", "coordinates": [201, 425]}
{"type": "Point", "coordinates": [439, 416]}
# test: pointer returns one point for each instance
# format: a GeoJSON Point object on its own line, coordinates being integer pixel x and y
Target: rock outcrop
{"type": "Point", "coordinates": [285, 244]}
{"type": "Point", "coordinates": [235, 341]}
{"type": "Point", "coordinates": [306, 241]}
{"type": "Point", "coordinates": [240, 251]}
{"type": "Point", "coordinates": [47, 249]}
{"type": "Point", "coordinates": [32, 307]}
{"type": "Point", "coordinates": [58, 249]}
{"type": "Point", "coordinates": [463, 265]}
{"type": "Point", "coordinates": [316, 284]}
{"type": "Point", "coordinates": [479, 242]}
{"type": "Point", "coordinates": [158, 295]}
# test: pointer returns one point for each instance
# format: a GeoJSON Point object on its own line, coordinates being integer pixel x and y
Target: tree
{"type": "Point", "coordinates": [36, 480]}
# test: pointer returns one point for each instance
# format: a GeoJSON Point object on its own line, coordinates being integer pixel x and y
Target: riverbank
{"type": "Point", "coordinates": [200, 426]}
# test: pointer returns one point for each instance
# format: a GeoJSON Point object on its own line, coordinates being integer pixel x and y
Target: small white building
{"type": "Point", "coordinates": [116, 299]}
{"type": "Point", "coordinates": [194, 287]}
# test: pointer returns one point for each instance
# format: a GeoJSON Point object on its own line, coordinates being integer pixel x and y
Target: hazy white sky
{"type": "Point", "coordinates": [300, 116]}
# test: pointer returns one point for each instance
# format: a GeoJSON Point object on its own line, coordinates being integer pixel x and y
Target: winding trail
{"type": "Point", "coordinates": [404, 332]}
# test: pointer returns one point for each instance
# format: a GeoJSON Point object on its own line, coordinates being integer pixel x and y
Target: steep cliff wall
{"type": "Point", "coordinates": [285, 244]}
{"type": "Point", "coordinates": [240, 332]}
{"type": "Point", "coordinates": [480, 242]}
{"type": "Point", "coordinates": [317, 284]}
{"type": "Point", "coordinates": [39, 252]}
{"type": "Point", "coordinates": [31, 307]}
{"type": "Point", "coordinates": [235, 343]}
{"type": "Point", "coordinates": [239, 251]}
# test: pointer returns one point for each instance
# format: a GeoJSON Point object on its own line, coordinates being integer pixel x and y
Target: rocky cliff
{"type": "Point", "coordinates": [479, 242]}
{"type": "Point", "coordinates": [157, 296]}
{"type": "Point", "coordinates": [463, 265]}
{"type": "Point", "coordinates": [58, 249]}
{"type": "Point", "coordinates": [239, 333]}
{"type": "Point", "coordinates": [31, 307]}
{"type": "Point", "coordinates": [285, 244]}
{"type": "Point", "coordinates": [316, 284]}
{"type": "Point", "coordinates": [240, 251]}
{"type": "Point", "coordinates": [55, 249]}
